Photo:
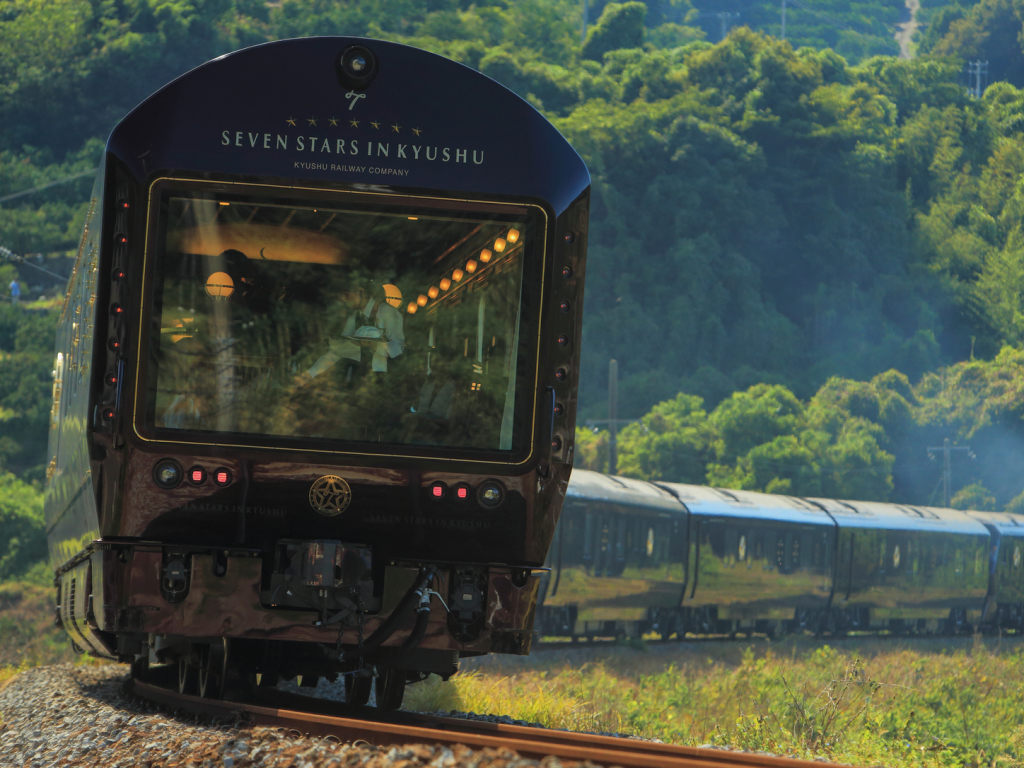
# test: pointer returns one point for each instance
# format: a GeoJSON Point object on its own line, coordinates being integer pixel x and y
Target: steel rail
{"type": "Point", "coordinates": [406, 728]}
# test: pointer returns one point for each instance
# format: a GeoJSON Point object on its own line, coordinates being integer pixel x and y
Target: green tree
{"type": "Point", "coordinates": [974, 496]}
{"type": "Point", "coordinates": [672, 442]}
{"type": "Point", "coordinates": [22, 533]}
{"type": "Point", "coordinates": [621, 26]}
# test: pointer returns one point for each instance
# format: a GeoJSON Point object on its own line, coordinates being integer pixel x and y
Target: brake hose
{"type": "Point", "coordinates": [418, 593]}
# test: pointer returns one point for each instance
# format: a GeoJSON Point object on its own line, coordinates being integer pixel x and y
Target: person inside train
{"type": "Point", "coordinates": [370, 335]}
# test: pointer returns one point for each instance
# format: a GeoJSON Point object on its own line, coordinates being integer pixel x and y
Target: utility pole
{"type": "Point", "coordinates": [613, 416]}
{"type": "Point", "coordinates": [723, 17]}
{"type": "Point", "coordinates": [976, 70]}
{"type": "Point", "coordinates": [947, 474]}
{"type": "Point", "coordinates": [783, 19]}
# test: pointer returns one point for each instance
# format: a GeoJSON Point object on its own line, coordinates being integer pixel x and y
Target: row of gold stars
{"type": "Point", "coordinates": [354, 123]}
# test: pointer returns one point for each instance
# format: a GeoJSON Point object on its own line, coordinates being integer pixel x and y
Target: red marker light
{"type": "Point", "coordinates": [438, 491]}
{"type": "Point", "coordinates": [222, 477]}
{"type": "Point", "coordinates": [197, 475]}
{"type": "Point", "coordinates": [463, 492]}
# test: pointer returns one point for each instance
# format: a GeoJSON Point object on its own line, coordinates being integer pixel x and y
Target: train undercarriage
{"type": "Point", "coordinates": [232, 620]}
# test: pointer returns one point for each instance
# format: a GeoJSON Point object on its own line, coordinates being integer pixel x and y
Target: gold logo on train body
{"type": "Point", "coordinates": [330, 495]}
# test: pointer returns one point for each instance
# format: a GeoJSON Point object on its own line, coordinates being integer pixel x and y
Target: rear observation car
{"type": "Point", "coordinates": [316, 372]}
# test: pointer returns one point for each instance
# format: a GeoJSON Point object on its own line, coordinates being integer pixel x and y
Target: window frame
{"type": "Point", "coordinates": [535, 269]}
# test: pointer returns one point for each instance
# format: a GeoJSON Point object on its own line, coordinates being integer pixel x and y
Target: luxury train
{"type": "Point", "coordinates": [631, 558]}
{"type": "Point", "coordinates": [316, 373]}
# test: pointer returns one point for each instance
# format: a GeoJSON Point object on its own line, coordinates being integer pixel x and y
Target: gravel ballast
{"type": "Point", "coordinates": [70, 715]}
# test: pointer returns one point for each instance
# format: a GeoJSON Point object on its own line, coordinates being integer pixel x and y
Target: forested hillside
{"type": "Point", "coordinates": [764, 215]}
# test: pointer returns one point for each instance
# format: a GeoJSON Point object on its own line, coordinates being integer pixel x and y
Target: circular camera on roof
{"type": "Point", "coordinates": [357, 66]}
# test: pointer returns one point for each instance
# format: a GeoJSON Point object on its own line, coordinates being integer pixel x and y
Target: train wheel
{"type": "Point", "coordinates": [140, 667]}
{"type": "Point", "coordinates": [211, 671]}
{"type": "Point", "coordinates": [357, 689]}
{"type": "Point", "coordinates": [187, 674]}
{"type": "Point", "coordinates": [390, 689]}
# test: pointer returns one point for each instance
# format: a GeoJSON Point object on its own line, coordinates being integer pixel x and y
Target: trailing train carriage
{"type": "Point", "coordinates": [1005, 597]}
{"type": "Point", "coordinates": [753, 557]}
{"type": "Point", "coordinates": [612, 557]}
{"type": "Point", "coordinates": [724, 561]}
{"type": "Point", "coordinates": [316, 374]}
{"type": "Point", "coordinates": [907, 567]}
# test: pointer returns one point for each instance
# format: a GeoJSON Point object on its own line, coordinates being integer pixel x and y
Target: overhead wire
{"type": "Point", "coordinates": [7, 253]}
{"type": "Point", "coordinates": [64, 180]}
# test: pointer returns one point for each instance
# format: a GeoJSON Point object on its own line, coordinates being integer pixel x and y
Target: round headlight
{"type": "Point", "coordinates": [167, 473]}
{"type": "Point", "coordinates": [490, 494]}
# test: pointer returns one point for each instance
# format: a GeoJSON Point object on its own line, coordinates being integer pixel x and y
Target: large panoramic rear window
{"type": "Point", "coordinates": [355, 319]}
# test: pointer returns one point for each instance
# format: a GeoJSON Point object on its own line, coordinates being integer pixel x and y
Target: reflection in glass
{"type": "Point", "coordinates": [301, 321]}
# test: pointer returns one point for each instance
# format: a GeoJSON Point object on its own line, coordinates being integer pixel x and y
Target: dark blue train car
{"type": "Point", "coordinates": [719, 561]}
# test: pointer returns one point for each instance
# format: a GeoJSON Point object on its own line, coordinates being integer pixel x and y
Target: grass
{"type": "Point", "coordinates": [28, 636]}
{"type": "Point", "coordinates": [868, 701]}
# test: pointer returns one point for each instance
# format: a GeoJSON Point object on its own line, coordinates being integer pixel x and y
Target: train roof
{"type": "Point", "coordinates": [279, 110]}
{"type": "Point", "coordinates": [721, 502]}
{"type": "Point", "coordinates": [1007, 523]}
{"type": "Point", "coordinates": [877, 514]}
{"type": "Point", "coordinates": [588, 486]}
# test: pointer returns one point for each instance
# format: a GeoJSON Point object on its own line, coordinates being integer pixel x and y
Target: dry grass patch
{"type": "Point", "coordinates": [944, 702]}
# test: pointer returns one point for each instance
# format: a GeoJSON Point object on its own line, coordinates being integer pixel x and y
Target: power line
{"type": "Point", "coordinates": [7, 253]}
{"type": "Point", "coordinates": [46, 186]}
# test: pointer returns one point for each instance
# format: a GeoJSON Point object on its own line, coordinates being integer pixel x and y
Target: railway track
{"type": "Point", "coordinates": [318, 717]}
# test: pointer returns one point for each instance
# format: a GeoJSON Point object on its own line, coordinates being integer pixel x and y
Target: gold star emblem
{"type": "Point", "coordinates": [375, 124]}
{"type": "Point", "coordinates": [354, 123]}
{"type": "Point", "coordinates": [290, 121]}
{"type": "Point", "coordinates": [330, 495]}
{"type": "Point", "coordinates": [417, 131]}
{"type": "Point", "coordinates": [395, 128]}
{"type": "Point", "coordinates": [333, 121]}
{"type": "Point", "coordinates": [312, 120]}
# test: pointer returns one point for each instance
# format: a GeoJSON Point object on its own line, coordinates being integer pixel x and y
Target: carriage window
{"type": "Point", "coordinates": [315, 320]}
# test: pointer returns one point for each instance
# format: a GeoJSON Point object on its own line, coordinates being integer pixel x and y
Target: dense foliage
{"type": "Point", "coordinates": [763, 214]}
